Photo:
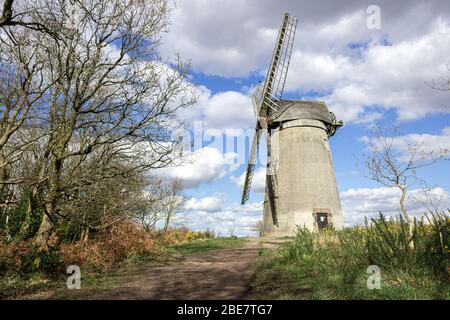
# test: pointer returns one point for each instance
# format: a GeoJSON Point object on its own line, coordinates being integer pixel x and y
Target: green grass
{"type": "Point", "coordinates": [207, 245]}
{"type": "Point", "coordinates": [15, 285]}
{"type": "Point", "coordinates": [42, 286]}
{"type": "Point", "coordinates": [275, 278]}
{"type": "Point", "coordinates": [333, 265]}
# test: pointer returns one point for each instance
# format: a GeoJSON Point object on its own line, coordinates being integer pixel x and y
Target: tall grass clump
{"type": "Point", "coordinates": [389, 245]}
{"type": "Point", "coordinates": [333, 264]}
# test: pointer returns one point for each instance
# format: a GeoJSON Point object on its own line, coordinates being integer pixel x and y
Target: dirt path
{"type": "Point", "coordinates": [218, 274]}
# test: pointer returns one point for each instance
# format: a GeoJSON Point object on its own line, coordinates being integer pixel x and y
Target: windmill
{"type": "Point", "coordinates": [285, 124]}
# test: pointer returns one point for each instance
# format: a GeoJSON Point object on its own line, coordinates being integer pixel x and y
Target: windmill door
{"type": "Point", "coordinates": [322, 220]}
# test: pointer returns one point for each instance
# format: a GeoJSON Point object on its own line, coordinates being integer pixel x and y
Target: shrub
{"type": "Point", "coordinates": [180, 235]}
{"type": "Point", "coordinates": [21, 256]}
{"type": "Point", "coordinates": [390, 245]}
{"type": "Point", "coordinates": [122, 241]}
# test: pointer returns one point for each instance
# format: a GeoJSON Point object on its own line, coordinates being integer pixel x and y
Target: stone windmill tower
{"type": "Point", "coordinates": [301, 186]}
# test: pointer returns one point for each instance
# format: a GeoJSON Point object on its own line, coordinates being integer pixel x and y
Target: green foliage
{"type": "Point", "coordinates": [207, 245]}
{"type": "Point", "coordinates": [332, 264]}
{"type": "Point", "coordinates": [22, 222]}
{"type": "Point", "coordinates": [26, 257]}
{"type": "Point", "coordinates": [391, 246]}
{"type": "Point", "coordinates": [39, 260]}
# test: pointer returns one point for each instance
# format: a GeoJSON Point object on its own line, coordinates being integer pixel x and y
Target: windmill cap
{"type": "Point", "coordinates": [302, 109]}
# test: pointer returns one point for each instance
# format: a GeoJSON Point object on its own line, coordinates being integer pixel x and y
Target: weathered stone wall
{"type": "Point", "coordinates": [305, 178]}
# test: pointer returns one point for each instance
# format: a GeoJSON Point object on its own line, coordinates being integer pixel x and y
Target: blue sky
{"type": "Point", "coordinates": [367, 77]}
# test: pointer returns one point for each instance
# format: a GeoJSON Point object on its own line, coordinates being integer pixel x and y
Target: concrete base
{"type": "Point", "coordinates": [305, 180]}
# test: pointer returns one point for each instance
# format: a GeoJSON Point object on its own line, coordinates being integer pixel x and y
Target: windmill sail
{"type": "Point", "coordinates": [279, 65]}
{"type": "Point", "coordinates": [251, 164]}
{"type": "Point", "coordinates": [271, 183]}
{"type": "Point", "coordinates": [265, 100]}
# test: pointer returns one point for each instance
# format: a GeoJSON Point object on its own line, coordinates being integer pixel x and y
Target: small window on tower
{"type": "Point", "coordinates": [322, 220]}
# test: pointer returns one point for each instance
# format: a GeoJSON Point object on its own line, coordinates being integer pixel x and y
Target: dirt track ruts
{"type": "Point", "coordinates": [218, 274]}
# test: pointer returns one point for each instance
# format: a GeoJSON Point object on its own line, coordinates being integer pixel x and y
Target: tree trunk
{"type": "Point", "coordinates": [3, 171]}
{"type": "Point", "coordinates": [8, 235]}
{"type": "Point", "coordinates": [33, 201]}
{"type": "Point", "coordinates": [85, 235]}
{"type": "Point", "coordinates": [167, 221]}
{"type": "Point", "coordinates": [44, 231]}
{"type": "Point", "coordinates": [49, 216]}
{"type": "Point", "coordinates": [25, 227]}
{"type": "Point", "coordinates": [406, 216]}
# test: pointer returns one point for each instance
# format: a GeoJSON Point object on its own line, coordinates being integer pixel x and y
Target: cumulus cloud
{"type": "Point", "coordinates": [198, 26]}
{"type": "Point", "coordinates": [207, 204]}
{"type": "Point", "coordinates": [205, 213]}
{"type": "Point", "coordinates": [218, 119]}
{"type": "Point", "coordinates": [234, 219]}
{"type": "Point", "coordinates": [210, 213]}
{"type": "Point", "coordinates": [258, 180]}
{"type": "Point", "coordinates": [430, 145]}
{"type": "Point", "coordinates": [368, 202]}
{"type": "Point", "coordinates": [202, 166]}
{"type": "Point", "coordinates": [228, 110]}
{"type": "Point", "coordinates": [390, 76]}
{"type": "Point", "coordinates": [353, 69]}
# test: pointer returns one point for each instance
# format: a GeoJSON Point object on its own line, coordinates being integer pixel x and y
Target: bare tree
{"type": "Point", "coordinates": [443, 84]}
{"type": "Point", "coordinates": [19, 13]}
{"type": "Point", "coordinates": [22, 87]}
{"type": "Point", "coordinates": [165, 202]}
{"type": "Point", "coordinates": [95, 208]}
{"type": "Point", "coordinates": [395, 167]}
{"type": "Point", "coordinates": [173, 202]}
{"type": "Point", "coordinates": [259, 227]}
{"type": "Point", "coordinates": [106, 102]}
{"type": "Point", "coordinates": [151, 213]}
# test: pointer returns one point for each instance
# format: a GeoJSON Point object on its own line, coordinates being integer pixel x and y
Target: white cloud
{"type": "Point", "coordinates": [210, 213]}
{"type": "Point", "coordinates": [356, 203]}
{"type": "Point", "coordinates": [228, 110]}
{"type": "Point", "coordinates": [218, 37]}
{"type": "Point", "coordinates": [207, 204]}
{"type": "Point", "coordinates": [234, 219]}
{"type": "Point", "coordinates": [219, 118]}
{"type": "Point", "coordinates": [368, 202]}
{"type": "Point", "coordinates": [430, 145]}
{"type": "Point", "coordinates": [237, 39]}
{"type": "Point", "coordinates": [249, 208]}
{"type": "Point", "coordinates": [334, 54]}
{"type": "Point", "coordinates": [258, 180]}
{"type": "Point", "coordinates": [387, 76]}
{"type": "Point", "coordinates": [202, 166]}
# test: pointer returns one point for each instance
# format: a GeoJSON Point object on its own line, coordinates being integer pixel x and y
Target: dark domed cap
{"type": "Point", "coordinates": [301, 109]}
